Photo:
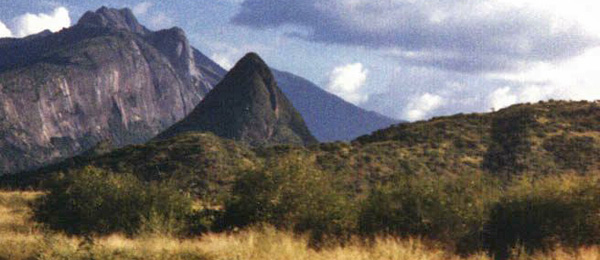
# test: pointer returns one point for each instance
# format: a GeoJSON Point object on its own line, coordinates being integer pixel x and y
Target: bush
{"type": "Point", "coordinates": [540, 214]}
{"type": "Point", "coordinates": [451, 210]}
{"type": "Point", "coordinates": [92, 201]}
{"type": "Point", "coordinates": [289, 193]}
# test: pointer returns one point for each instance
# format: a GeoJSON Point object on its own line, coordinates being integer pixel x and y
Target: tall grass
{"type": "Point", "coordinates": [20, 238]}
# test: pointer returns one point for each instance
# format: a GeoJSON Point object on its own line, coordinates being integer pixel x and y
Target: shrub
{"type": "Point", "coordinates": [578, 152]}
{"type": "Point", "coordinates": [92, 201]}
{"type": "Point", "coordinates": [289, 193]}
{"type": "Point", "coordinates": [451, 210]}
{"type": "Point", "coordinates": [540, 214]}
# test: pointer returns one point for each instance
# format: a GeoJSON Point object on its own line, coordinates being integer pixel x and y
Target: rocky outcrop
{"type": "Point", "coordinates": [247, 106]}
{"type": "Point", "coordinates": [106, 78]}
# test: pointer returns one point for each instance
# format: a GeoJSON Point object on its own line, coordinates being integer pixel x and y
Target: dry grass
{"type": "Point", "coordinates": [20, 238]}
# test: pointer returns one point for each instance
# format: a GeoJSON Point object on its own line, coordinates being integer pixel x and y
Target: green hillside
{"type": "Point", "coordinates": [524, 176]}
{"type": "Point", "coordinates": [543, 138]}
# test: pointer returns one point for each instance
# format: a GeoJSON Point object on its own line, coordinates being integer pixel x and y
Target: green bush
{"type": "Point", "coordinates": [289, 193]}
{"type": "Point", "coordinates": [92, 201]}
{"type": "Point", "coordinates": [540, 214]}
{"type": "Point", "coordinates": [573, 152]}
{"type": "Point", "coordinates": [451, 210]}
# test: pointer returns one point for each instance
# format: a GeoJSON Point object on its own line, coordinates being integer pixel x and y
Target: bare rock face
{"type": "Point", "coordinates": [107, 78]}
{"type": "Point", "coordinates": [112, 18]}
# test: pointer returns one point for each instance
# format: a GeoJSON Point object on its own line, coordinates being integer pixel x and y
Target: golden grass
{"type": "Point", "coordinates": [20, 238]}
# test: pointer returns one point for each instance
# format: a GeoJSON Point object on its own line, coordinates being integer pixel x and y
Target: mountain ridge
{"type": "Point", "coordinates": [93, 82]}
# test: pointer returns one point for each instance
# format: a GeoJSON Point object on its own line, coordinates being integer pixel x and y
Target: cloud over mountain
{"type": "Point", "coordinates": [463, 35]}
{"type": "Point", "coordinates": [347, 82]}
{"type": "Point", "coordinates": [28, 23]}
{"type": "Point", "coordinates": [4, 31]}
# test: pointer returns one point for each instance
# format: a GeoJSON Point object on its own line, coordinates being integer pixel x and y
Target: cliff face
{"type": "Point", "coordinates": [105, 79]}
{"type": "Point", "coordinates": [248, 106]}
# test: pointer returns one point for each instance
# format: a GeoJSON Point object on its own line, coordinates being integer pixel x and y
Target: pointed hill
{"type": "Point", "coordinates": [248, 106]}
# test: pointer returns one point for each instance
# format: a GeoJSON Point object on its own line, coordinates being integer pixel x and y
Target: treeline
{"type": "Point", "coordinates": [466, 213]}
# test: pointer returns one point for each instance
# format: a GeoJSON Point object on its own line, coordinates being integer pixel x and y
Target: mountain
{"type": "Point", "coordinates": [329, 117]}
{"type": "Point", "coordinates": [110, 80]}
{"type": "Point", "coordinates": [248, 106]}
{"type": "Point", "coordinates": [107, 78]}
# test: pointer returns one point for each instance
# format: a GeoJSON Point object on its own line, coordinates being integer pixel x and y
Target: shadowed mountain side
{"type": "Point", "coordinates": [248, 106]}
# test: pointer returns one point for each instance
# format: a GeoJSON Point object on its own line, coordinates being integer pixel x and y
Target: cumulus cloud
{"type": "Point", "coordinates": [4, 31]}
{"type": "Point", "coordinates": [421, 106]}
{"type": "Point", "coordinates": [347, 82]}
{"type": "Point", "coordinates": [28, 23]}
{"type": "Point", "coordinates": [142, 8]}
{"type": "Point", "coordinates": [574, 79]}
{"type": "Point", "coordinates": [462, 35]}
{"type": "Point", "coordinates": [502, 98]}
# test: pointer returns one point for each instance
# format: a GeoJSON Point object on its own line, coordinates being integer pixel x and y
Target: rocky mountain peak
{"type": "Point", "coordinates": [107, 78]}
{"type": "Point", "coordinates": [105, 17]}
{"type": "Point", "coordinates": [248, 106]}
{"type": "Point", "coordinates": [254, 63]}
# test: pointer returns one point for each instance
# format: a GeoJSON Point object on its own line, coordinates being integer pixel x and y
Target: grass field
{"type": "Point", "coordinates": [20, 238]}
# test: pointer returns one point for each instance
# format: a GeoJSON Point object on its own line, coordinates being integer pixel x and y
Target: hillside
{"type": "Point", "coordinates": [544, 138]}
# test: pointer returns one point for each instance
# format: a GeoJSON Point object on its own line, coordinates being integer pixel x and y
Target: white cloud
{"type": "Point", "coordinates": [575, 79]}
{"type": "Point", "coordinates": [461, 35]}
{"type": "Point", "coordinates": [161, 21]}
{"type": "Point", "coordinates": [28, 23]}
{"type": "Point", "coordinates": [142, 8]}
{"type": "Point", "coordinates": [421, 106]}
{"type": "Point", "coordinates": [347, 82]}
{"type": "Point", "coordinates": [225, 60]}
{"type": "Point", "coordinates": [4, 31]}
{"type": "Point", "coordinates": [502, 97]}
{"type": "Point", "coordinates": [227, 55]}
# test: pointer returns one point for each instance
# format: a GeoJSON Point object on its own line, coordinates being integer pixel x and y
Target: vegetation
{"type": "Point", "coordinates": [450, 210]}
{"type": "Point", "coordinates": [92, 201]}
{"type": "Point", "coordinates": [539, 214]}
{"type": "Point", "coordinates": [20, 238]}
{"type": "Point", "coordinates": [519, 181]}
{"type": "Point", "coordinates": [289, 193]}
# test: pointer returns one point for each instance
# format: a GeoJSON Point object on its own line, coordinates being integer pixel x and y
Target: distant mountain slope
{"type": "Point", "coordinates": [106, 78]}
{"type": "Point", "coordinates": [248, 106]}
{"type": "Point", "coordinates": [329, 117]}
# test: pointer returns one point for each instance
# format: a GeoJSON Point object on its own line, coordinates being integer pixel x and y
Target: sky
{"type": "Point", "coordinates": [406, 59]}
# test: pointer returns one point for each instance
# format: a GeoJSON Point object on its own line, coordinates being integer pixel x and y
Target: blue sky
{"type": "Point", "coordinates": [407, 59]}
